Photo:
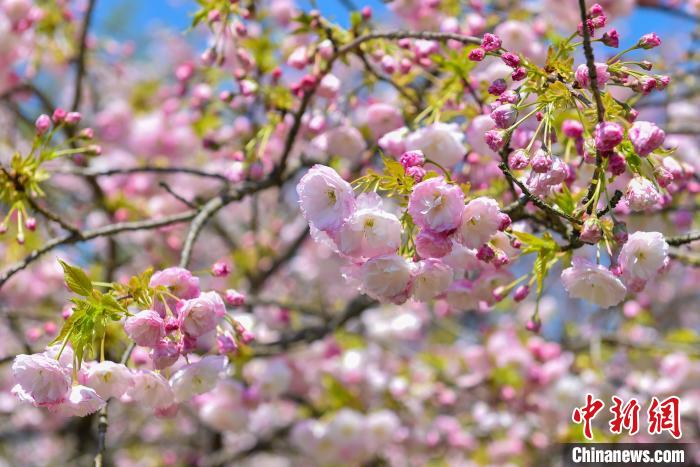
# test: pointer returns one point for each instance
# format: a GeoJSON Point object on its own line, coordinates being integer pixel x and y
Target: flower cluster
{"type": "Point", "coordinates": [451, 239]}
{"type": "Point", "coordinates": [182, 320]}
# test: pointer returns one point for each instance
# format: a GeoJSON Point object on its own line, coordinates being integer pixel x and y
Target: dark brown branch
{"type": "Point", "coordinates": [683, 239]}
{"type": "Point", "coordinates": [105, 231]}
{"type": "Point", "coordinates": [82, 52]}
{"type": "Point", "coordinates": [536, 200]}
{"type": "Point", "coordinates": [312, 333]}
{"type": "Point", "coordinates": [600, 108]}
{"type": "Point", "coordinates": [258, 280]}
{"type": "Point", "coordinates": [84, 172]}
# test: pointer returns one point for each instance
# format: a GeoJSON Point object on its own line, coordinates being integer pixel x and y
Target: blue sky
{"type": "Point", "coordinates": [134, 18]}
{"type": "Point", "coordinates": [136, 15]}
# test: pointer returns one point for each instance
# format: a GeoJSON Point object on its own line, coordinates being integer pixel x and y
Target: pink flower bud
{"type": "Point", "coordinates": [220, 269]}
{"type": "Point", "coordinates": [498, 87]}
{"type": "Point", "coordinates": [416, 172]}
{"type": "Point", "coordinates": [649, 41]}
{"type": "Point", "coordinates": [485, 253]}
{"type": "Point", "coordinates": [541, 161]}
{"type": "Point", "coordinates": [608, 135]}
{"type": "Point", "coordinates": [646, 137]}
{"type": "Point", "coordinates": [42, 124]}
{"type": "Point", "coordinates": [73, 118]}
{"type": "Point", "coordinates": [366, 12]}
{"type": "Point", "coordinates": [508, 97]}
{"type": "Point", "coordinates": [572, 128]}
{"type": "Point", "coordinates": [504, 115]}
{"type": "Point", "coordinates": [518, 159]}
{"type": "Point", "coordinates": [662, 81]}
{"type": "Point", "coordinates": [58, 115]}
{"type": "Point", "coordinates": [596, 10]}
{"type": "Point", "coordinates": [616, 164]}
{"type": "Point", "coordinates": [30, 224]}
{"type": "Point", "coordinates": [505, 221]}
{"type": "Point", "coordinates": [325, 49]}
{"type": "Point", "coordinates": [412, 158]}
{"type": "Point", "coordinates": [648, 84]}
{"type": "Point", "coordinates": [511, 59]}
{"type": "Point", "coordinates": [86, 133]}
{"type": "Point", "coordinates": [225, 343]}
{"type": "Point", "coordinates": [477, 55]}
{"type": "Point", "coordinates": [184, 72]}
{"type": "Point", "coordinates": [591, 231]}
{"type": "Point", "coordinates": [234, 297]}
{"type": "Point", "coordinates": [533, 326]}
{"type": "Point", "coordinates": [663, 177]}
{"type": "Point", "coordinates": [519, 74]}
{"type": "Point", "coordinates": [521, 293]}
{"type": "Point", "coordinates": [388, 64]}
{"type": "Point", "coordinates": [491, 42]}
{"type": "Point", "coordinates": [620, 232]}
{"type": "Point", "coordinates": [611, 38]}
{"type": "Point", "coordinates": [494, 139]}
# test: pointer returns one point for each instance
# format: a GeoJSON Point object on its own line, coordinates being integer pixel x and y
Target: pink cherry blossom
{"type": "Point", "coordinates": [200, 315]}
{"type": "Point", "coordinates": [41, 380]}
{"type": "Point", "coordinates": [643, 255]}
{"type": "Point", "coordinates": [593, 283]}
{"type": "Point", "coordinates": [145, 328]}
{"type": "Point", "coordinates": [325, 199]}
{"type": "Point", "coordinates": [436, 205]}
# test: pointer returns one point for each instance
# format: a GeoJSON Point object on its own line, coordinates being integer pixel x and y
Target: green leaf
{"type": "Point", "coordinates": [535, 243]}
{"type": "Point", "coordinates": [76, 279]}
{"type": "Point", "coordinates": [565, 201]}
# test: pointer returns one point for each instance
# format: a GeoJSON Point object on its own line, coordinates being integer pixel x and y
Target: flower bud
{"type": "Point", "coordinates": [412, 159]}
{"type": "Point", "coordinates": [611, 38]}
{"type": "Point", "coordinates": [504, 115]}
{"type": "Point", "coordinates": [73, 118]}
{"type": "Point", "coordinates": [541, 161]}
{"type": "Point", "coordinates": [608, 135]}
{"type": "Point", "coordinates": [234, 297]}
{"type": "Point", "coordinates": [518, 159]}
{"type": "Point", "coordinates": [58, 115]}
{"type": "Point", "coordinates": [485, 253]}
{"type": "Point", "coordinates": [649, 41]}
{"type": "Point", "coordinates": [498, 87]}
{"type": "Point", "coordinates": [519, 74]}
{"type": "Point", "coordinates": [511, 59]}
{"type": "Point", "coordinates": [521, 293]}
{"type": "Point", "coordinates": [491, 42]}
{"type": "Point", "coordinates": [572, 128]}
{"type": "Point", "coordinates": [591, 231]}
{"type": "Point", "coordinates": [619, 232]}
{"type": "Point", "coordinates": [477, 55]}
{"type": "Point", "coordinates": [42, 124]}
{"type": "Point", "coordinates": [220, 269]}
{"type": "Point", "coordinates": [30, 224]}
{"type": "Point", "coordinates": [494, 139]}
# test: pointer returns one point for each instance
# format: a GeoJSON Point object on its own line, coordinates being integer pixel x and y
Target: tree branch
{"type": "Point", "coordinates": [86, 172]}
{"type": "Point", "coordinates": [105, 231]}
{"type": "Point", "coordinates": [536, 200]}
{"type": "Point", "coordinates": [81, 68]}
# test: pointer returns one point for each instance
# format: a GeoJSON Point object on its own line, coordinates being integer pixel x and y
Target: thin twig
{"type": "Point", "coordinates": [86, 235]}
{"type": "Point", "coordinates": [683, 239]}
{"type": "Point", "coordinates": [536, 200]}
{"type": "Point", "coordinates": [600, 108]}
{"type": "Point", "coordinates": [85, 172]}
